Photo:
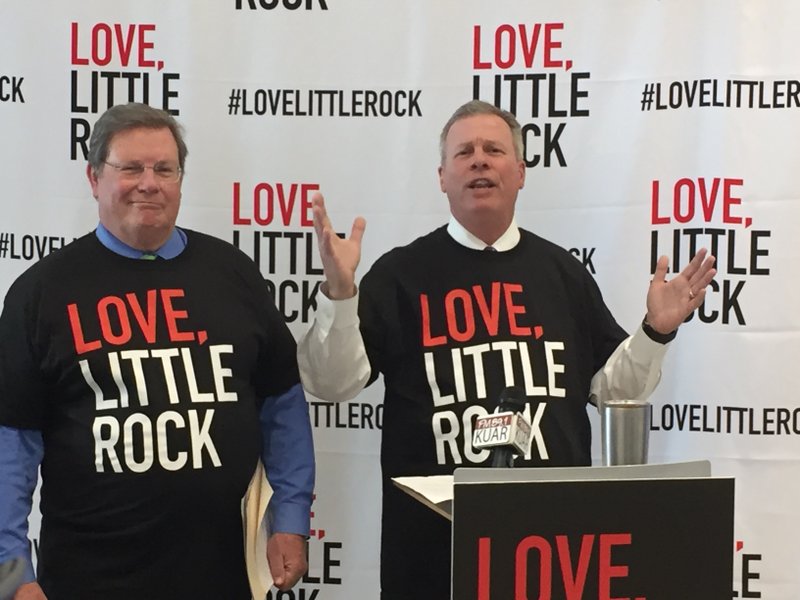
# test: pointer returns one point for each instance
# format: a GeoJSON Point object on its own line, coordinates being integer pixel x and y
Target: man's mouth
{"type": "Point", "coordinates": [482, 183]}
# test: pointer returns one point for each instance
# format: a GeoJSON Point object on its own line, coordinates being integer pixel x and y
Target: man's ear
{"type": "Point", "coordinates": [92, 177]}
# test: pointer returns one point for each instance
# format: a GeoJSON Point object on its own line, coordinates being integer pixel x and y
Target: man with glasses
{"type": "Point", "coordinates": [146, 369]}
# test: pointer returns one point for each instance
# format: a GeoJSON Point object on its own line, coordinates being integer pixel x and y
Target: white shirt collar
{"type": "Point", "coordinates": [505, 242]}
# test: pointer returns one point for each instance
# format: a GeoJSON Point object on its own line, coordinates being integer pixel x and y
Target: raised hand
{"type": "Point", "coordinates": [670, 302]}
{"type": "Point", "coordinates": [340, 257]}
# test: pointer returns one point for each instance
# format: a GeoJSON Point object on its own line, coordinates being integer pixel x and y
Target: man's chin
{"type": "Point", "coordinates": [149, 234]}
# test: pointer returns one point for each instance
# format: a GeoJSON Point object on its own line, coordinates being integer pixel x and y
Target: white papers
{"type": "Point", "coordinates": [435, 491]}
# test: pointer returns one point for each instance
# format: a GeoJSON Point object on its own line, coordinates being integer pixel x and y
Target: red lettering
{"type": "Point", "coordinates": [119, 40]}
{"type": "Point", "coordinates": [529, 45]}
{"type": "Point", "coordinates": [264, 203]}
{"type": "Point", "coordinates": [498, 46]}
{"type": "Point", "coordinates": [262, 187]}
{"type": "Point", "coordinates": [146, 324]}
{"type": "Point", "coordinates": [533, 542]}
{"type": "Point", "coordinates": [427, 339]}
{"type": "Point", "coordinates": [286, 205]}
{"type": "Point", "coordinates": [76, 60]}
{"type": "Point", "coordinates": [514, 310]}
{"type": "Point", "coordinates": [103, 313]}
{"type": "Point", "coordinates": [681, 217]}
{"type": "Point", "coordinates": [490, 314]}
{"type": "Point", "coordinates": [145, 45]}
{"type": "Point", "coordinates": [507, 39]}
{"type": "Point", "coordinates": [607, 570]}
{"type": "Point", "coordinates": [115, 321]}
{"type": "Point", "coordinates": [306, 214]}
{"type": "Point", "coordinates": [574, 584]}
{"type": "Point", "coordinates": [452, 321]}
{"type": "Point", "coordinates": [685, 200]}
{"type": "Point", "coordinates": [172, 315]}
{"type": "Point", "coordinates": [96, 57]}
{"type": "Point", "coordinates": [729, 200]}
{"type": "Point", "coordinates": [125, 46]}
{"type": "Point", "coordinates": [460, 313]}
{"type": "Point", "coordinates": [81, 345]}
{"type": "Point", "coordinates": [537, 550]}
{"type": "Point", "coordinates": [657, 220]}
{"type": "Point", "coordinates": [708, 201]}
{"type": "Point", "coordinates": [484, 564]}
{"type": "Point", "coordinates": [238, 219]}
{"type": "Point", "coordinates": [550, 45]}
{"type": "Point", "coordinates": [477, 63]}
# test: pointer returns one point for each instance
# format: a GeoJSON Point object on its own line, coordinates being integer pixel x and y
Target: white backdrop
{"type": "Point", "coordinates": [651, 127]}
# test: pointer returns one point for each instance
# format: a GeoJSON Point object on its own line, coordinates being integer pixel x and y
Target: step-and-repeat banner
{"type": "Point", "coordinates": [650, 127]}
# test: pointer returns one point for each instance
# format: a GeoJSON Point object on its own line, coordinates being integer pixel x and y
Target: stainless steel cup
{"type": "Point", "coordinates": [625, 430]}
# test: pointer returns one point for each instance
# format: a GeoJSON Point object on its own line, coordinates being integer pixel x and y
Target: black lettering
{"type": "Point", "coordinates": [755, 252]}
{"type": "Point", "coordinates": [730, 302]}
{"type": "Point", "coordinates": [328, 562]}
{"type": "Point", "coordinates": [748, 575]}
{"type": "Point", "coordinates": [79, 137]}
{"type": "Point", "coordinates": [166, 92]}
{"type": "Point", "coordinates": [576, 94]}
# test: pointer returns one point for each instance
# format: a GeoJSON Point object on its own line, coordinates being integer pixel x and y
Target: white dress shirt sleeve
{"type": "Point", "coordinates": [632, 371]}
{"type": "Point", "coordinates": [331, 355]}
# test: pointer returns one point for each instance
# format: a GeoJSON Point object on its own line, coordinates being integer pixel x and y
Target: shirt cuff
{"type": "Point", "coordinates": [336, 314]}
{"type": "Point", "coordinates": [288, 518]}
{"type": "Point", "coordinates": [29, 574]}
{"type": "Point", "coordinates": [656, 336]}
{"type": "Point", "coordinates": [644, 348]}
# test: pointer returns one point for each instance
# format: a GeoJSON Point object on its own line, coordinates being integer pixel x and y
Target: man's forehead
{"type": "Point", "coordinates": [160, 137]}
{"type": "Point", "coordinates": [479, 129]}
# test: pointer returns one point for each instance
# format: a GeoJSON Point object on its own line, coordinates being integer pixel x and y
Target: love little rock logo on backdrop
{"type": "Point", "coordinates": [275, 228]}
{"type": "Point", "coordinates": [115, 63]}
{"type": "Point", "coordinates": [523, 68]}
{"type": "Point", "coordinates": [692, 213]}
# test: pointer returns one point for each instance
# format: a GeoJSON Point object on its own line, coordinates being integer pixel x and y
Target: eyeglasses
{"type": "Point", "coordinates": [133, 171]}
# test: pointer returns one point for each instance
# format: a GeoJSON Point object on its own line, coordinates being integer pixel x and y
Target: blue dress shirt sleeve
{"type": "Point", "coordinates": [21, 452]}
{"type": "Point", "coordinates": [288, 457]}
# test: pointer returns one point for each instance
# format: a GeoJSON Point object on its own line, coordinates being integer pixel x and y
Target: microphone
{"type": "Point", "coordinates": [505, 431]}
{"type": "Point", "coordinates": [11, 572]}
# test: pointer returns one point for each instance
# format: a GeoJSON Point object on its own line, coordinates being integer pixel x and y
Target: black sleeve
{"type": "Point", "coordinates": [23, 390]}
{"type": "Point", "coordinates": [377, 298]}
{"type": "Point", "coordinates": [276, 368]}
{"type": "Point", "coordinates": [606, 333]}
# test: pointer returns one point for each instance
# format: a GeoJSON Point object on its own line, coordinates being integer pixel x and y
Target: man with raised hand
{"type": "Point", "coordinates": [450, 324]}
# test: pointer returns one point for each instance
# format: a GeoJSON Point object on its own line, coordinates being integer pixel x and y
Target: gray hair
{"type": "Point", "coordinates": [478, 107]}
{"type": "Point", "coordinates": [133, 115]}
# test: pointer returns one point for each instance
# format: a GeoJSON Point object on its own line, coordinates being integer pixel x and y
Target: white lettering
{"type": "Point", "coordinates": [220, 373]}
{"type": "Point", "coordinates": [161, 436]}
{"type": "Point", "coordinates": [553, 367]}
{"type": "Point", "coordinates": [166, 357]}
{"type": "Point", "coordinates": [145, 443]}
{"type": "Point", "coordinates": [140, 446]}
{"type": "Point", "coordinates": [188, 365]}
{"type": "Point", "coordinates": [446, 438]}
{"type": "Point", "coordinates": [136, 356]}
{"type": "Point", "coordinates": [105, 445]}
{"type": "Point", "coordinates": [202, 439]}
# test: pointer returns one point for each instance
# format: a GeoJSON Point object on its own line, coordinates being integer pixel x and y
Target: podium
{"type": "Point", "coordinates": [650, 532]}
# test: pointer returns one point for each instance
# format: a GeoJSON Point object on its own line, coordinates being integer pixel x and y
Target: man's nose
{"type": "Point", "coordinates": [148, 180]}
{"type": "Point", "coordinates": [479, 160]}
